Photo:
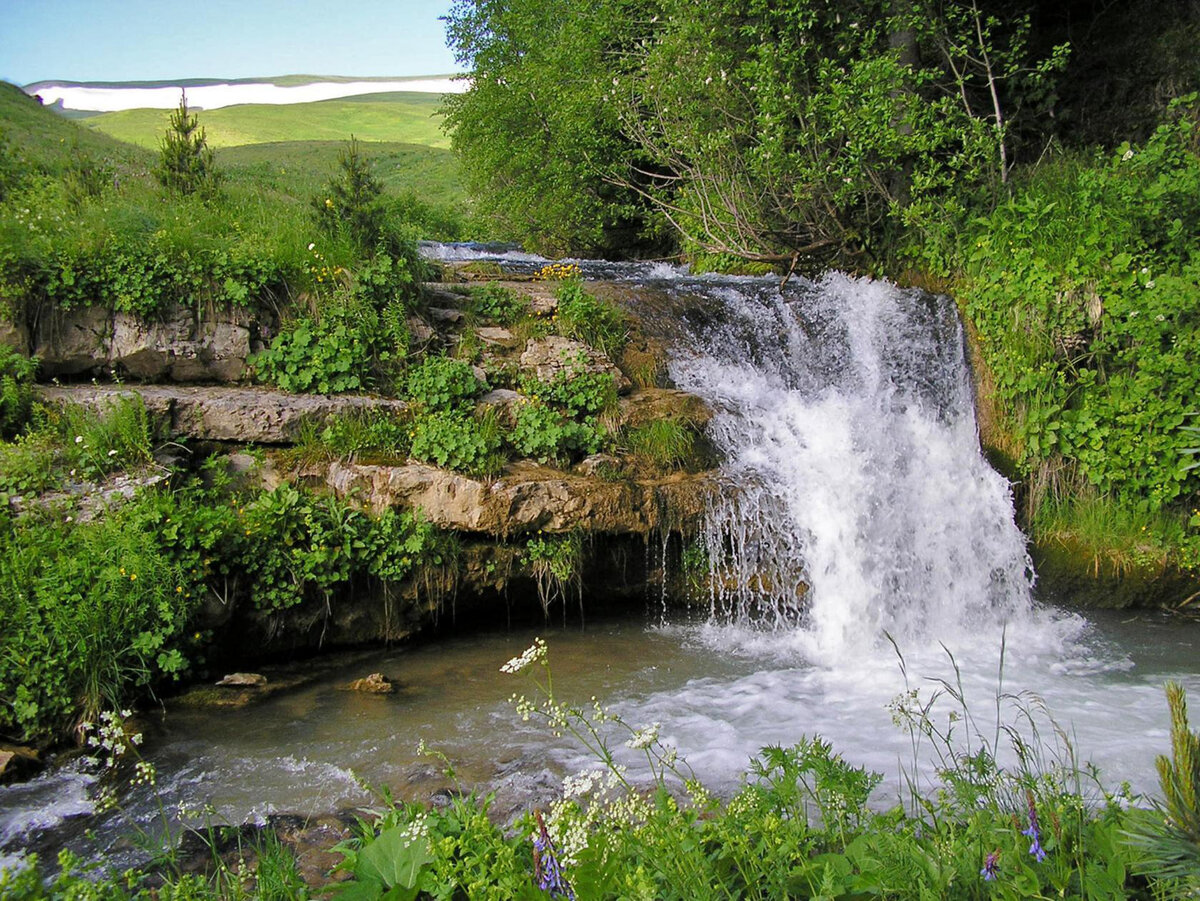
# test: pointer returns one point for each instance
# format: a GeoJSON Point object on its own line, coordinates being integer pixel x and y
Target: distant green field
{"type": "Point", "coordinates": [301, 168]}
{"type": "Point", "coordinates": [408, 117]}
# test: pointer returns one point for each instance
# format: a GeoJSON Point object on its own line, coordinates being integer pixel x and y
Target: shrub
{"type": "Point", "coordinates": [664, 443]}
{"type": "Point", "coordinates": [16, 390]}
{"type": "Point", "coordinates": [330, 355]}
{"type": "Point", "coordinates": [546, 434]}
{"type": "Point", "coordinates": [352, 202]}
{"type": "Point", "coordinates": [497, 303]}
{"type": "Point", "coordinates": [454, 439]}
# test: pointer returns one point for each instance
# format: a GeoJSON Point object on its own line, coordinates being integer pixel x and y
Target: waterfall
{"type": "Point", "coordinates": [859, 502]}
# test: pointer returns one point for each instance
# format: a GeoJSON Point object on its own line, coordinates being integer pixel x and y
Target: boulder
{"type": "Point", "coordinates": [653, 404]}
{"type": "Point", "coordinates": [242, 680]}
{"type": "Point", "coordinates": [375, 684]}
{"type": "Point", "coordinates": [555, 355]}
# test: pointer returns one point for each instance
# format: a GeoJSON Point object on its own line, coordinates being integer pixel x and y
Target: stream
{"type": "Point", "coordinates": [864, 548]}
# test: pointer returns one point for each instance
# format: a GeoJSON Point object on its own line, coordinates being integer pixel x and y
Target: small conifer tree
{"type": "Point", "coordinates": [352, 201]}
{"type": "Point", "coordinates": [185, 160]}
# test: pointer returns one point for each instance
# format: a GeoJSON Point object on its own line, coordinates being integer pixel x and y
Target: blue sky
{"type": "Point", "coordinates": [125, 40]}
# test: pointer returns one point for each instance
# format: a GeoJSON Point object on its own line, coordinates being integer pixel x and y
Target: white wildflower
{"type": "Point", "coordinates": [535, 653]}
{"type": "Point", "coordinates": [644, 738]}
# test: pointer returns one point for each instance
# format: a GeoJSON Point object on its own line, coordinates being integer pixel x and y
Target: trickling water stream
{"type": "Point", "coordinates": [861, 522]}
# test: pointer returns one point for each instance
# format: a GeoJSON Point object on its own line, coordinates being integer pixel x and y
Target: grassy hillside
{"type": "Point", "coordinates": [404, 117]}
{"type": "Point", "coordinates": [303, 167]}
{"type": "Point", "coordinates": [48, 139]}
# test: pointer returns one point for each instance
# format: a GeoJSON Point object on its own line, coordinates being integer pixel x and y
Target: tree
{"type": "Point", "coordinates": [536, 129]}
{"type": "Point", "coordinates": [185, 160]}
{"type": "Point", "coordinates": [352, 201]}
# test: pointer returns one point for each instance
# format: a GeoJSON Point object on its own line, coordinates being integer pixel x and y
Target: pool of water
{"type": "Point", "coordinates": [719, 694]}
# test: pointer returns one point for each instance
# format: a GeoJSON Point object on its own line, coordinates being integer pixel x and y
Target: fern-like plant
{"type": "Point", "coordinates": [1169, 838]}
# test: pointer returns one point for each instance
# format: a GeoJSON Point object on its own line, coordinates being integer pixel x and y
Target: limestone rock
{"type": "Point", "coordinates": [555, 355]}
{"type": "Point", "coordinates": [526, 498]}
{"type": "Point", "coordinates": [18, 762]}
{"type": "Point", "coordinates": [245, 415]}
{"type": "Point", "coordinates": [496, 335]}
{"type": "Point", "coordinates": [442, 314]}
{"type": "Point", "coordinates": [175, 345]}
{"type": "Point", "coordinates": [376, 684]}
{"type": "Point", "coordinates": [15, 335]}
{"type": "Point", "coordinates": [596, 464]}
{"type": "Point", "coordinates": [243, 680]}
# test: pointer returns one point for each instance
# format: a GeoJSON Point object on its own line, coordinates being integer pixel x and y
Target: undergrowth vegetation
{"type": "Point", "coordinates": [1082, 289]}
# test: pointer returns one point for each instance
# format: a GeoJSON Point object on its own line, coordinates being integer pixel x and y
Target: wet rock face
{"type": "Point", "coordinates": [177, 345]}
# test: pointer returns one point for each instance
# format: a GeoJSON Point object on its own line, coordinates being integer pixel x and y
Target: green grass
{"type": "Point", "coordinates": [46, 138]}
{"type": "Point", "coordinates": [302, 168]}
{"type": "Point", "coordinates": [399, 117]}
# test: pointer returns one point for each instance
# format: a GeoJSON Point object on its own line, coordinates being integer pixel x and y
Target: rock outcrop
{"type": "Point", "coordinates": [527, 498]}
{"type": "Point", "coordinates": [177, 345]}
{"type": "Point", "coordinates": [213, 413]}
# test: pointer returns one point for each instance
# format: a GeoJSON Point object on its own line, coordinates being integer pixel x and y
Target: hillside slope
{"type": "Point", "coordinates": [405, 117]}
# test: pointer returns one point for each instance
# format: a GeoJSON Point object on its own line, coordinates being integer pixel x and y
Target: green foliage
{"type": "Point", "coordinates": [85, 177]}
{"type": "Point", "coordinates": [352, 202]}
{"type": "Point", "coordinates": [496, 303]}
{"type": "Point", "coordinates": [442, 383]}
{"type": "Point", "coordinates": [354, 436]}
{"type": "Point", "coordinates": [16, 390]}
{"type": "Point", "coordinates": [1082, 292]}
{"type": "Point", "coordinates": [532, 142]}
{"type": "Point", "coordinates": [185, 164]}
{"type": "Point", "coordinates": [575, 390]}
{"type": "Point", "coordinates": [557, 565]}
{"type": "Point", "coordinates": [1169, 837]}
{"type": "Point", "coordinates": [663, 443]}
{"type": "Point", "coordinates": [71, 443]}
{"type": "Point", "coordinates": [589, 319]}
{"type": "Point", "coordinates": [457, 439]}
{"type": "Point", "coordinates": [330, 355]}
{"type": "Point", "coordinates": [775, 132]}
{"type": "Point", "coordinates": [547, 434]}
{"type": "Point", "coordinates": [95, 612]}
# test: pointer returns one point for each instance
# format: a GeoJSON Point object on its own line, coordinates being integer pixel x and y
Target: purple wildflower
{"type": "Point", "coordinates": [547, 869]}
{"type": "Point", "coordinates": [991, 866]}
{"type": "Point", "coordinates": [1034, 834]}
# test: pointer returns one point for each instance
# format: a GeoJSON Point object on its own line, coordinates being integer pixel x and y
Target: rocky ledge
{"type": "Point", "coordinates": [528, 497]}
{"type": "Point", "coordinates": [220, 413]}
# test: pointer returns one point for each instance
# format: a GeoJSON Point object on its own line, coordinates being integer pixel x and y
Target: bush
{"type": "Point", "coordinates": [16, 390]}
{"type": "Point", "coordinates": [442, 383]}
{"type": "Point", "coordinates": [455, 439]}
{"type": "Point", "coordinates": [664, 443]}
{"type": "Point", "coordinates": [595, 322]}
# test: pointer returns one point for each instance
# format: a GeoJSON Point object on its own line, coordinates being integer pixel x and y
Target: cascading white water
{"type": "Point", "coordinates": [859, 500]}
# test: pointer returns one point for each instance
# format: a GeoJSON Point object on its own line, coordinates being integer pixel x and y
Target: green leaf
{"type": "Point", "coordinates": [394, 859]}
